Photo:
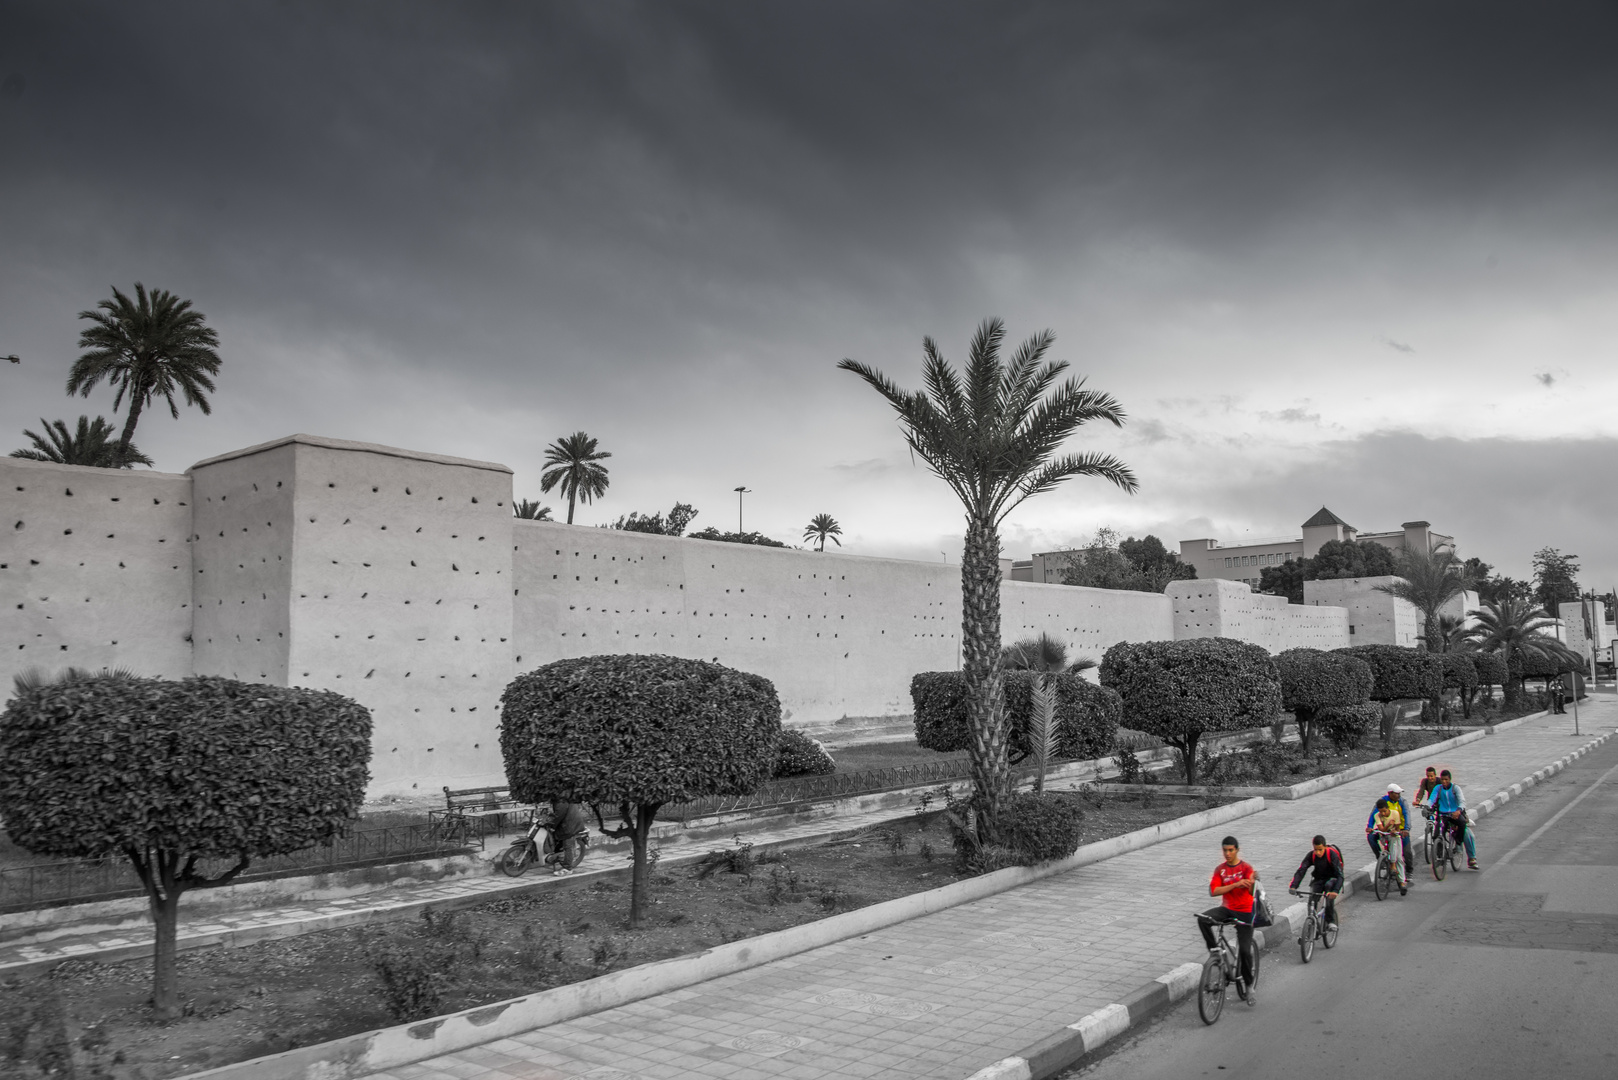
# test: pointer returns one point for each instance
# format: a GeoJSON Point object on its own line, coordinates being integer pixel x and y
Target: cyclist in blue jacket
{"type": "Point", "coordinates": [1450, 804]}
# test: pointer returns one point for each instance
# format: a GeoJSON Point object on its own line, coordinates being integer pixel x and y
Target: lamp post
{"type": "Point", "coordinates": [740, 491]}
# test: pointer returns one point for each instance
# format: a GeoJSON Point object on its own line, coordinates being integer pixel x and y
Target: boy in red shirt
{"type": "Point", "coordinates": [1233, 881]}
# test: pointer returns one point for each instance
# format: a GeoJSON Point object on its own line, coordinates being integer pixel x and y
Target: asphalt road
{"type": "Point", "coordinates": [1504, 973]}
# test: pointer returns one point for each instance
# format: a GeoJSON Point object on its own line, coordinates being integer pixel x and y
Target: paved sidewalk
{"type": "Point", "coordinates": [947, 994]}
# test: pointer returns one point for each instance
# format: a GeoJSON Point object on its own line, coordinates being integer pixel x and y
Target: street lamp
{"type": "Point", "coordinates": [740, 491]}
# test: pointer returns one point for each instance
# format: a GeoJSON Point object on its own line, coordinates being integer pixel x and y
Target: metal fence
{"type": "Point", "coordinates": [112, 877]}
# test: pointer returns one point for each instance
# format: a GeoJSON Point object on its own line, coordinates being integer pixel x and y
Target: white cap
{"type": "Point", "coordinates": [1396, 788]}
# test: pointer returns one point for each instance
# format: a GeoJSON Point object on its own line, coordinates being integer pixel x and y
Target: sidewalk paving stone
{"type": "Point", "coordinates": [955, 991]}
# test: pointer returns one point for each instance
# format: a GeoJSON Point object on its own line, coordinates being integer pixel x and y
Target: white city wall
{"type": "Point", "coordinates": [401, 579]}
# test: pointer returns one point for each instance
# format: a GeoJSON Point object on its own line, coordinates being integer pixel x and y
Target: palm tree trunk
{"type": "Point", "coordinates": [572, 497]}
{"type": "Point", "coordinates": [980, 666]}
{"type": "Point", "coordinates": [135, 403]}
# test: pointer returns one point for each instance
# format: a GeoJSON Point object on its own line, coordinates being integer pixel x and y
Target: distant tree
{"type": "Point", "coordinates": [1285, 580]}
{"type": "Point", "coordinates": [1451, 634]}
{"type": "Point", "coordinates": [1428, 580]}
{"type": "Point", "coordinates": [995, 438]}
{"type": "Point", "coordinates": [1495, 589]}
{"type": "Point", "coordinates": [574, 462]}
{"type": "Point", "coordinates": [635, 732]}
{"type": "Point", "coordinates": [1476, 569]}
{"type": "Point", "coordinates": [529, 510]}
{"type": "Point", "coordinates": [1143, 565]}
{"type": "Point", "coordinates": [203, 769]}
{"type": "Point", "coordinates": [1351, 559]}
{"type": "Point", "coordinates": [823, 527]}
{"type": "Point", "coordinates": [1555, 579]}
{"type": "Point", "coordinates": [756, 538]}
{"type": "Point", "coordinates": [149, 348]}
{"type": "Point", "coordinates": [674, 525]}
{"type": "Point", "coordinates": [92, 444]}
{"type": "Point", "coordinates": [1157, 564]}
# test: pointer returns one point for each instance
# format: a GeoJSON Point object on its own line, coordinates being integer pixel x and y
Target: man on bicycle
{"type": "Point", "coordinates": [1425, 789]}
{"type": "Point", "coordinates": [1233, 881]}
{"type": "Point", "coordinates": [1395, 796]}
{"type": "Point", "coordinates": [1325, 864]}
{"type": "Point", "coordinates": [1450, 806]}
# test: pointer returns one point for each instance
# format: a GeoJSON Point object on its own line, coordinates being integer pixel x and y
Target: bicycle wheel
{"type": "Point", "coordinates": [1382, 877]}
{"type": "Point", "coordinates": [1258, 955]}
{"type": "Point", "coordinates": [1306, 943]}
{"type": "Point", "coordinates": [515, 859]}
{"type": "Point", "coordinates": [1328, 933]}
{"type": "Point", "coordinates": [1455, 856]}
{"type": "Point", "coordinates": [1440, 857]}
{"type": "Point", "coordinates": [1427, 846]}
{"type": "Point", "coordinates": [1211, 990]}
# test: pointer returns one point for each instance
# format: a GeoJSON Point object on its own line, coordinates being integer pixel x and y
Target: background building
{"type": "Point", "coordinates": [1245, 562]}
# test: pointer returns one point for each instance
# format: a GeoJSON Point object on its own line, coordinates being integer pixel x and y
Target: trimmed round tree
{"type": "Point", "coordinates": [1491, 669]}
{"type": "Point", "coordinates": [1460, 675]}
{"type": "Point", "coordinates": [1313, 680]}
{"type": "Point", "coordinates": [1087, 715]}
{"type": "Point", "coordinates": [1400, 674]}
{"type": "Point", "coordinates": [635, 732]}
{"type": "Point", "coordinates": [1183, 690]}
{"type": "Point", "coordinates": [178, 775]}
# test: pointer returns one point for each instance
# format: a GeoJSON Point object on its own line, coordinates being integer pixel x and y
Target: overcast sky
{"type": "Point", "coordinates": [1359, 255]}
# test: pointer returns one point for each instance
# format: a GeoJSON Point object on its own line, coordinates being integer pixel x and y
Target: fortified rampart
{"type": "Point", "coordinates": [402, 580]}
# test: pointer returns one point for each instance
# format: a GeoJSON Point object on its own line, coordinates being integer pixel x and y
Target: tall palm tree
{"type": "Point", "coordinates": [1428, 580]}
{"type": "Point", "coordinates": [148, 348]}
{"type": "Point", "coordinates": [1515, 627]}
{"type": "Point", "coordinates": [823, 527]}
{"type": "Point", "coordinates": [572, 461]}
{"type": "Point", "coordinates": [993, 437]}
{"type": "Point", "coordinates": [530, 510]}
{"type": "Point", "coordinates": [92, 444]}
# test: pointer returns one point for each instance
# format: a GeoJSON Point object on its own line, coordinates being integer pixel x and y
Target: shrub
{"type": "Point", "coordinates": [1399, 672]}
{"type": "Point", "coordinates": [1040, 828]}
{"type": "Point", "coordinates": [1181, 690]}
{"type": "Point", "coordinates": [1460, 672]}
{"type": "Point", "coordinates": [1312, 680]}
{"type": "Point", "coordinates": [637, 731]}
{"type": "Point", "coordinates": [170, 773]}
{"type": "Point", "coordinates": [799, 755]}
{"type": "Point", "coordinates": [1347, 725]}
{"type": "Point", "coordinates": [1087, 715]}
{"type": "Point", "coordinates": [411, 982]}
{"type": "Point", "coordinates": [1491, 668]}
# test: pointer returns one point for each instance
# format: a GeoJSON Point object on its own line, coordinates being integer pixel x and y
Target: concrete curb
{"type": "Point", "coordinates": [386, 1048]}
{"type": "Point", "coordinates": [1063, 1049]}
{"type": "Point", "coordinates": [1309, 787]}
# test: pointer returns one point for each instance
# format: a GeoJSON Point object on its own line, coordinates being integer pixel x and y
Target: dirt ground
{"type": "Point", "coordinates": [84, 1019]}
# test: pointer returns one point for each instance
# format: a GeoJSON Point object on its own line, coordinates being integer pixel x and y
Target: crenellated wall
{"type": "Point", "coordinates": [402, 580]}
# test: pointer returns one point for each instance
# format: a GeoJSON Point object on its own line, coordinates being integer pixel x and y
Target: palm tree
{"type": "Point", "coordinates": [571, 462]}
{"type": "Point", "coordinates": [1515, 627]}
{"type": "Point", "coordinates": [529, 510]}
{"type": "Point", "coordinates": [1043, 653]}
{"type": "Point", "coordinates": [993, 438]}
{"type": "Point", "coordinates": [92, 444]}
{"type": "Point", "coordinates": [1428, 580]}
{"type": "Point", "coordinates": [823, 527]}
{"type": "Point", "coordinates": [148, 348]}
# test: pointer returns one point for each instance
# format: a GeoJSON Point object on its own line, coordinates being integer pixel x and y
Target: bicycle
{"type": "Point", "coordinates": [1315, 925]}
{"type": "Point", "coordinates": [531, 849]}
{"type": "Point", "coordinates": [1390, 867]}
{"type": "Point", "coordinates": [1446, 850]}
{"type": "Point", "coordinates": [1220, 970]}
{"type": "Point", "coordinates": [1427, 837]}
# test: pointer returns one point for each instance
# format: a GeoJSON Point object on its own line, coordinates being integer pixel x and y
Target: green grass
{"type": "Point", "coordinates": [886, 755]}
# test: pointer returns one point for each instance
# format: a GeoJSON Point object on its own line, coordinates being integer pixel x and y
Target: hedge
{"type": "Point", "coordinates": [1087, 715]}
{"type": "Point", "coordinates": [1491, 668]}
{"type": "Point", "coordinates": [1347, 725]}
{"type": "Point", "coordinates": [1400, 672]}
{"type": "Point", "coordinates": [1525, 665]}
{"type": "Point", "coordinates": [799, 755]}
{"type": "Point", "coordinates": [1040, 828]}
{"type": "Point", "coordinates": [1181, 690]}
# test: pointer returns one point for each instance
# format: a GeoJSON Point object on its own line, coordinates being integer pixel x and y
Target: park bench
{"type": "Point", "coordinates": [477, 811]}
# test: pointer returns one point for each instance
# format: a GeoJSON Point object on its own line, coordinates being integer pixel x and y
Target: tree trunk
{"type": "Point", "coordinates": [1390, 720]}
{"type": "Point", "coordinates": [163, 898]}
{"type": "Point", "coordinates": [1466, 703]}
{"type": "Point", "coordinates": [1188, 754]}
{"type": "Point", "coordinates": [1306, 728]}
{"type": "Point", "coordinates": [640, 880]}
{"type": "Point", "coordinates": [980, 666]}
{"type": "Point", "coordinates": [135, 404]}
{"type": "Point", "coordinates": [572, 497]}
